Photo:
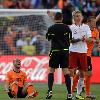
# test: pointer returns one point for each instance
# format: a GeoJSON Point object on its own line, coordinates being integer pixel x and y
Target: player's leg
{"type": "Point", "coordinates": [80, 85]}
{"type": "Point", "coordinates": [50, 82]}
{"type": "Point", "coordinates": [53, 63]}
{"type": "Point", "coordinates": [67, 82]}
{"type": "Point", "coordinates": [82, 69]}
{"type": "Point", "coordinates": [88, 75]}
{"type": "Point", "coordinates": [13, 90]}
{"type": "Point", "coordinates": [72, 65]}
{"type": "Point", "coordinates": [64, 64]}
{"type": "Point", "coordinates": [29, 91]}
{"type": "Point", "coordinates": [75, 80]}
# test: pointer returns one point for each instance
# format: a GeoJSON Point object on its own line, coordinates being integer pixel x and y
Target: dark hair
{"type": "Point", "coordinates": [91, 17]}
{"type": "Point", "coordinates": [58, 16]}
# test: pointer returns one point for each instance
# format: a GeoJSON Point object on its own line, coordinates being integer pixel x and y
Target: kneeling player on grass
{"type": "Point", "coordinates": [16, 86]}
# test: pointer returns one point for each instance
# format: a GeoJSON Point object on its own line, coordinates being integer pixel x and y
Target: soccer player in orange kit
{"type": "Point", "coordinates": [16, 85]}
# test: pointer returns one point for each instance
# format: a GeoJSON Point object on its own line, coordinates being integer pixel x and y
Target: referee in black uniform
{"type": "Point", "coordinates": [59, 34]}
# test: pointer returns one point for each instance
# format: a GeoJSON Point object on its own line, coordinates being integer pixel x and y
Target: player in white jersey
{"type": "Point", "coordinates": [81, 33]}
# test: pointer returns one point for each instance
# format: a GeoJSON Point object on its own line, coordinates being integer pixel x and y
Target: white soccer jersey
{"type": "Point", "coordinates": [77, 33]}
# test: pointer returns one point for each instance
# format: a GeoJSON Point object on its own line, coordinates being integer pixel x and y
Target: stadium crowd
{"type": "Point", "coordinates": [23, 35]}
{"type": "Point", "coordinates": [14, 37]}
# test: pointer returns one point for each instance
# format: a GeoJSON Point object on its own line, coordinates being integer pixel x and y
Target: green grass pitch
{"type": "Point", "coordinates": [59, 92]}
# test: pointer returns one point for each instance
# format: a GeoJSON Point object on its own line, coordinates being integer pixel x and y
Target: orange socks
{"type": "Point", "coordinates": [30, 89]}
{"type": "Point", "coordinates": [75, 81]}
{"type": "Point", "coordinates": [87, 84]}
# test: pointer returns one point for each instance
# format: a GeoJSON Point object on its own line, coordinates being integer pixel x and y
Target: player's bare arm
{"type": "Point", "coordinates": [75, 40]}
{"type": "Point", "coordinates": [98, 18]}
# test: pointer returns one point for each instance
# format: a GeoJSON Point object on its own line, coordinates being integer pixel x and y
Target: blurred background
{"type": "Point", "coordinates": [17, 33]}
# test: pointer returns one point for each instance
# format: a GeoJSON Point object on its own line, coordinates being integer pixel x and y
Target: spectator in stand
{"type": "Point", "coordinates": [35, 3]}
{"type": "Point", "coordinates": [8, 4]}
{"type": "Point", "coordinates": [67, 13]}
{"type": "Point", "coordinates": [49, 3]}
{"type": "Point", "coordinates": [23, 44]}
{"type": "Point", "coordinates": [28, 49]}
{"type": "Point", "coordinates": [9, 41]}
{"type": "Point", "coordinates": [20, 42]}
{"type": "Point", "coordinates": [24, 4]}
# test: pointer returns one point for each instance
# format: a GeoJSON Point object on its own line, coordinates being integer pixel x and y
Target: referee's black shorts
{"type": "Point", "coordinates": [59, 58]}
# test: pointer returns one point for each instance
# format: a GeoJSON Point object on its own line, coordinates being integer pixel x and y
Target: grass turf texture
{"type": "Point", "coordinates": [59, 92]}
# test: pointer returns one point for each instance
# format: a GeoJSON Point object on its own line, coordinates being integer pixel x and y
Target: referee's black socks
{"type": "Point", "coordinates": [68, 83]}
{"type": "Point", "coordinates": [50, 81]}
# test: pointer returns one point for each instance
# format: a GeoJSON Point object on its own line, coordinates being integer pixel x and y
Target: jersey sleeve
{"type": "Point", "coordinates": [50, 33]}
{"type": "Point", "coordinates": [70, 33]}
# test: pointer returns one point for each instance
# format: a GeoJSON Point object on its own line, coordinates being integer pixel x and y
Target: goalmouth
{"type": "Point", "coordinates": [37, 20]}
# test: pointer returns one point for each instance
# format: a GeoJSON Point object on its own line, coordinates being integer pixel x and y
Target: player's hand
{"type": "Point", "coordinates": [83, 38]}
{"type": "Point", "coordinates": [15, 82]}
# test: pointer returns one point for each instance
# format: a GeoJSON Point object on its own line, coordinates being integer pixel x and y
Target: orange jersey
{"type": "Point", "coordinates": [90, 45]}
{"type": "Point", "coordinates": [19, 77]}
{"type": "Point", "coordinates": [7, 3]}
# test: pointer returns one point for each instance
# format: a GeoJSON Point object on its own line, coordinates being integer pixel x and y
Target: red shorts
{"type": "Point", "coordinates": [78, 60]}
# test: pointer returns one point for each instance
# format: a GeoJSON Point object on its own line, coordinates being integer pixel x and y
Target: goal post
{"type": "Point", "coordinates": [21, 12]}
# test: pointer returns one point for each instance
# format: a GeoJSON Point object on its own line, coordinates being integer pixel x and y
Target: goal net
{"type": "Point", "coordinates": [22, 32]}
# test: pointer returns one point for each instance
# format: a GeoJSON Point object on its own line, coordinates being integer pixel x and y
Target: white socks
{"type": "Point", "coordinates": [80, 85]}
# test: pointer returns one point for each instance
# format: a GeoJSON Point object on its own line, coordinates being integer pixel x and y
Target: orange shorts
{"type": "Point", "coordinates": [78, 60]}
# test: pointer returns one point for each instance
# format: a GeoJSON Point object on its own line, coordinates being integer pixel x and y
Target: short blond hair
{"type": "Point", "coordinates": [75, 12]}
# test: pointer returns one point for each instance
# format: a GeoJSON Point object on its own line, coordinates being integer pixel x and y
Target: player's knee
{"type": "Point", "coordinates": [72, 72]}
{"type": "Point", "coordinates": [81, 74]}
{"type": "Point", "coordinates": [66, 71]}
{"type": "Point", "coordinates": [27, 85]}
{"type": "Point", "coordinates": [51, 70]}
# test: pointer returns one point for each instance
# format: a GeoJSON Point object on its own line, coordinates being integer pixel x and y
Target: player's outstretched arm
{"type": "Point", "coordinates": [75, 40]}
{"type": "Point", "coordinates": [98, 18]}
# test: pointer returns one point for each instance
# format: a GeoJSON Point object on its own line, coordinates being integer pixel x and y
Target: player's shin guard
{"type": "Point", "coordinates": [68, 83]}
{"type": "Point", "coordinates": [80, 85]}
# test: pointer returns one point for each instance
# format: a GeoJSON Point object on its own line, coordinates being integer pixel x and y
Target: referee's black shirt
{"type": "Point", "coordinates": [60, 35]}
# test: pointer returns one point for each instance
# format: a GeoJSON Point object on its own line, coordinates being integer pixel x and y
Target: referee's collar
{"type": "Point", "coordinates": [58, 22]}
